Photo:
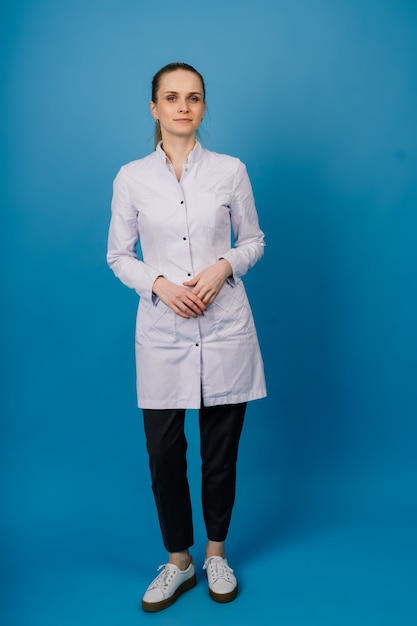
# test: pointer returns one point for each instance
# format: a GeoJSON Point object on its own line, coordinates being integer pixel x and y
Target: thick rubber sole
{"type": "Point", "coordinates": [154, 607]}
{"type": "Point", "coordinates": [223, 597]}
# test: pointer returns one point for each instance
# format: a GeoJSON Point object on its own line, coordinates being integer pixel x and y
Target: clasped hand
{"type": "Point", "coordinates": [193, 297]}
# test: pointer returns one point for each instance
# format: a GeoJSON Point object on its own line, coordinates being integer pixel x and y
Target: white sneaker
{"type": "Point", "coordinates": [221, 580]}
{"type": "Point", "coordinates": [167, 586]}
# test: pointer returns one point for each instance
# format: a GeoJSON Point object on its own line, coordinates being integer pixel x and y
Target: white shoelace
{"type": "Point", "coordinates": [164, 579]}
{"type": "Point", "coordinates": [219, 567]}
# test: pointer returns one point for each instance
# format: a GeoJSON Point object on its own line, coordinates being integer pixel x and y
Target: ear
{"type": "Point", "coordinates": [152, 107]}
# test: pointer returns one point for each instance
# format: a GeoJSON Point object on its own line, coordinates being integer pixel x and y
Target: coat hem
{"type": "Point", "coordinates": [217, 400]}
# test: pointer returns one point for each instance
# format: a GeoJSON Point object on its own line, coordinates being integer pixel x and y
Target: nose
{"type": "Point", "coordinates": [183, 106]}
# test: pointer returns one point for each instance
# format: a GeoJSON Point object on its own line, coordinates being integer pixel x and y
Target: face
{"type": "Point", "coordinates": [180, 106]}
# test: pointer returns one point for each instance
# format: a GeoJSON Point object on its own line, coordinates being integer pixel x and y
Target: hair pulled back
{"type": "Point", "coordinates": [171, 67]}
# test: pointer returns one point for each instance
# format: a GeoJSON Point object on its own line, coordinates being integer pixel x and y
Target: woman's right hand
{"type": "Point", "coordinates": [178, 298]}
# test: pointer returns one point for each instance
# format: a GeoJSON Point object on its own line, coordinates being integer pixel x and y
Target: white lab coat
{"type": "Point", "coordinates": [182, 227]}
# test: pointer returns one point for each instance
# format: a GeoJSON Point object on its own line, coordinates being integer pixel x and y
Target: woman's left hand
{"type": "Point", "coordinates": [207, 284]}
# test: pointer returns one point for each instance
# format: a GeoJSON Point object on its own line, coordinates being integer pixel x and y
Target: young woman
{"type": "Point", "coordinates": [196, 343]}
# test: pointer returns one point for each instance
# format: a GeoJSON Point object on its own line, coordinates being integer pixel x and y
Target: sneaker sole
{"type": "Point", "coordinates": [154, 607]}
{"type": "Point", "coordinates": [223, 597]}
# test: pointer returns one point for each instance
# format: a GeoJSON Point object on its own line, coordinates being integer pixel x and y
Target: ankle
{"type": "Point", "coordinates": [210, 554]}
{"type": "Point", "coordinates": [215, 548]}
{"type": "Point", "coordinates": [181, 559]}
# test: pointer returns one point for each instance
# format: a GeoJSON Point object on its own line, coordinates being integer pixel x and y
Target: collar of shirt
{"type": "Point", "coordinates": [194, 156]}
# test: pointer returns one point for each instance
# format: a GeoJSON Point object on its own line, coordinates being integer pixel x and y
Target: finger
{"type": "Point", "coordinates": [189, 308]}
{"type": "Point", "coordinates": [200, 293]}
{"type": "Point", "coordinates": [196, 300]}
{"type": "Point", "coordinates": [182, 310]}
{"type": "Point", "coordinates": [210, 297]}
{"type": "Point", "coordinates": [192, 282]}
{"type": "Point", "coordinates": [206, 295]}
{"type": "Point", "coordinates": [194, 309]}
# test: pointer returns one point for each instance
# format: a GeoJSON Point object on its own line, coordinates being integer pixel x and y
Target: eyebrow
{"type": "Point", "coordinates": [190, 93]}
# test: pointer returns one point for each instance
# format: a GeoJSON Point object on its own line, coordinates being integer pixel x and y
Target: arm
{"type": "Point", "coordinates": [249, 239]}
{"type": "Point", "coordinates": [122, 240]}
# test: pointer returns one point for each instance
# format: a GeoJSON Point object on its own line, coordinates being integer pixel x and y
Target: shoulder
{"type": "Point", "coordinates": [224, 161]}
{"type": "Point", "coordinates": [138, 167]}
{"type": "Point", "coordinates": [218, 157]}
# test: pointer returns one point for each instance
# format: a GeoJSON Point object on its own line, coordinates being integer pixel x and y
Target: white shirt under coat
{"type": "Point", "coordinates": [183, 227]}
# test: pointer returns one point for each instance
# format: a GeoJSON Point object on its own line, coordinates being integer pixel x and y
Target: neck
{"type": "Point", "coordinates": [178, 149]}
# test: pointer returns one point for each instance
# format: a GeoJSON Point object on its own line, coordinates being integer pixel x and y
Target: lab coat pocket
{"type": "Point", "coordinates": [155, 324]}
{"type": "Point", "coordinates": [232, 314]}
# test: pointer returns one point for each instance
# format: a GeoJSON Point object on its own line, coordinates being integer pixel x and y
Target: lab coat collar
{"type": "Point", "coordinates": [194, 156]}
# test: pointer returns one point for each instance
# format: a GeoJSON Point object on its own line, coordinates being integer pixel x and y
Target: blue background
{"type": "Point", "coordinates": [319, 99]}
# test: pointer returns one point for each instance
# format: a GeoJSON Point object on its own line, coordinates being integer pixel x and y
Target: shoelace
{"type": "Point", "coordinates": [219, 567]}
{"type": "Point", "coordinates": [164, 578]}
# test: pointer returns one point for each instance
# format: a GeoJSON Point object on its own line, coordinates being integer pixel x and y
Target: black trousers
{"type": "Point", "coordinates": [220, 430]}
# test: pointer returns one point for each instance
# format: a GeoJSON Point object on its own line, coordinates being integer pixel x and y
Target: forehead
{"type": "Point", "coordinates": [180, 81]}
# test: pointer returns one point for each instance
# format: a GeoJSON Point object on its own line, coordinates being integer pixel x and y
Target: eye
{"type": "Point", "coordinates": [194, 99]}
{"type": "Point", "coordinates": [171, 98]}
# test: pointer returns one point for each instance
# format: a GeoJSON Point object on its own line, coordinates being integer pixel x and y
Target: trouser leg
{"type": "Point", "coordinates": [167, 448]}
{"type": "Point", "coordinates": [220, 430]}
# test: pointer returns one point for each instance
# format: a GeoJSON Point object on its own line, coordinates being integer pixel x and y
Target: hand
{"type": "Point", "coordinates": [178, 298]}
{"type": "Point", "coordinates": [207, 284]}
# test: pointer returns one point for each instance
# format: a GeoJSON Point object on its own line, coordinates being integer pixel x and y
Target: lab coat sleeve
{"type": "Point", "coordinates": [122, 240]}
{"type": "Point", "coordinates": [249, 239]}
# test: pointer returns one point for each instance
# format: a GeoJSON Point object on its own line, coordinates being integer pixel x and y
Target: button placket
{"type": "Point", "coordinates": [185, 238]}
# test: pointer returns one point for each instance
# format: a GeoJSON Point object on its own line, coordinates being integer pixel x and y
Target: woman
{"type": "Point", "coordinates": [196, 343]}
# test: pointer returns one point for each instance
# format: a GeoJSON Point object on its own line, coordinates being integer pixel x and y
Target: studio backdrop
{"type": "Point", "coordinates": [319, 100]}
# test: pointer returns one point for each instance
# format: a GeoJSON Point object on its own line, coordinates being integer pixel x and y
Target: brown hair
{"type": "Point", "coordinates": [171, 67]}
